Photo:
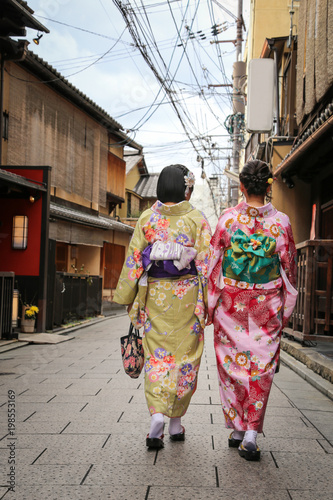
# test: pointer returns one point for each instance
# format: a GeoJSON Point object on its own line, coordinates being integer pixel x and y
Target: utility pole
{"type": "Point", "coordinates": [239, 71]}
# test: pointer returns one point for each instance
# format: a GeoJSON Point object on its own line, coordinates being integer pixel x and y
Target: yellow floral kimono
{"type": "Point", "coordinates": [172, 308]}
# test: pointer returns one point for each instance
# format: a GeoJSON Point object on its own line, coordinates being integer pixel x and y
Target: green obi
{"type": "Point", "coordinates": [251, 258]}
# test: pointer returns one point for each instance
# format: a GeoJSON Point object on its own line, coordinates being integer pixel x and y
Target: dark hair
{"type": "Point", "coordinates": [171, 184]}
{"type": "Point", "coordinates": [254, 176]}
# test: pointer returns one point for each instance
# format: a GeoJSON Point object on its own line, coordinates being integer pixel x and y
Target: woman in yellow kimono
{"type": "Point", "coordinates": [164, 283]}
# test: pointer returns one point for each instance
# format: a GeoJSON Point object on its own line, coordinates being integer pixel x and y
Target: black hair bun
{"type": "Point", "coordinates": [254, 176]}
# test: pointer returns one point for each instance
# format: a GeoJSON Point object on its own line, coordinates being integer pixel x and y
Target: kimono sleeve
{"type": "Point", "coordinates": [214, 270]}
{"type": "Point", "coordinates": [132, 270]}
{"type": "Point", "coordinates": [288, 254]}
{"type": "Point", "coordinates": [201, 261]}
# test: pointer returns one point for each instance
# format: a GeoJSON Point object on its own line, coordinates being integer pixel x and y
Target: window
{"type": "Point", "coordinates": [20, 232]}
{"type": "Point", "coordinates": [61, 257]}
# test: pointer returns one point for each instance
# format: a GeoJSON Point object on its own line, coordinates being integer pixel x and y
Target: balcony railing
{"type": "Point", "coordinates": [312, 317]}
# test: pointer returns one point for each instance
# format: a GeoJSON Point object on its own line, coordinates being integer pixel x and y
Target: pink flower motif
{"type": "Point", "coordinates": [163, 223]}
{"type": "Point", "coordinates": [153, 377]}
{"type": "Point", "coordinates": [180, 392]}
{"type": "Point", "coordinates": [150, 234]}
{"type": "Point", "coordinates": [137, 255]}
{"type": "Point", "coordinates": [132, 275]}
{"type": "Point", "coordinates": [180, 291]}
{"type": "Point", "coordinates": [234, 367]}
{"type": "Point", "coordinates": [190, 377]}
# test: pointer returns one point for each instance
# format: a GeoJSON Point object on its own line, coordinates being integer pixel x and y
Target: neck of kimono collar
{"type": "Point", "coordinates": [178, 209]}
{"type": "Point", "coordinates": [264, 211]}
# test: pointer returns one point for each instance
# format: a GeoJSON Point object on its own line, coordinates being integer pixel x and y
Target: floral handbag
{"type": "Point", "coordinates": [132, 352]}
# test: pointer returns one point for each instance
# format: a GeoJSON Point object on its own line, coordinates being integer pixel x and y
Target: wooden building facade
{"type": "Point", "coordinates": [51, 123]}
{"type": "Point", "coordinates": [300, 150]}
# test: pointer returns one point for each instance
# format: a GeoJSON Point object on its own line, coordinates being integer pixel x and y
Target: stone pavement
{"type": "Point", "coordinates": [80, 427]}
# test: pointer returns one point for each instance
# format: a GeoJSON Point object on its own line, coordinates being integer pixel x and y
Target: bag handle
{"type": "Point", "coordinates": [133, 331]}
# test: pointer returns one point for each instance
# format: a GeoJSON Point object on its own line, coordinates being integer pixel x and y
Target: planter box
{"type": "Point", "coordinates": [27, 325]}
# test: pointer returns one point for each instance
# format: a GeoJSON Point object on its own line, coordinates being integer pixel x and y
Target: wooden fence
{"type": "Point", "coordinates": [312, 316]}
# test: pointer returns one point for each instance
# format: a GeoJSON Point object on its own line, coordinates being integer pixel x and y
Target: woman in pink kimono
{"type": "Point", "coordinates": [251, 296]}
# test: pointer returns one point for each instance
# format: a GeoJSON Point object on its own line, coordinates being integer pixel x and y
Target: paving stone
{"type": "Point", "coordinates": [306, 471]}
{"type": "Point", "coordinates": [250, 475]}
{"type": "Point", "coordinates": [22, 456]}
{"type": "Point", "coordinates": [70, 398]}
{"type": "Point", "coordinates": [206, 397]}
{"type": "Point", "coordinates": [291, 445]}
{"type": "Point", "coordinates": [83, 492]}
{"type": "Point", "coordinates": [104, 444]}
{"type": "Point", "coordinates": [277, 411]}
{"type": "Point", "coordinates": [181, 476]}
{"type": "Point", "coordinates": [326, 445]}
{"type": "Point", "coordinates": [49, 441]}
{"type": "Point", "coordinates": [313, 494]}
{"type": "Point", "coordinates": [308, 404]}
{"type": "Point", "coordinates": [3, 491]}
{"type": "Point", "coordinates": [42, 427]}
{"type": "Point", "coordinates": [283, 430]}
{"type": "Point", "coordinates": [309, 393]}
{"type": "Point", "coordinates": [221, 493]}
{"type": "Point", "coordinates": [51, 474]}
{"type": "Point", "coordinates": [98, 427]}
{"type": "Point", "coordinates": [116, 450]}
{"type": "Point", "coordinates": [33, 397]}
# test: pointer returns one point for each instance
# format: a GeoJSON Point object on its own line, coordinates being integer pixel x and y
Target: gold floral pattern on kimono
{"type": "Point", "coordinates": [172, 310]}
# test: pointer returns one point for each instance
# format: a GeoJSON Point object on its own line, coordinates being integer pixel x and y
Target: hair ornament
{"type": "Point", "coordinates": [270, 180]}
{"type": "Point", "coordinates": [189, 181]}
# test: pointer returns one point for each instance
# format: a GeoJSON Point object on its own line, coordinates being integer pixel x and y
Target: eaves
{"type": "Point", "coordinates": [96, 221]}
{"type": "Point", "coordinates": [311, 149]}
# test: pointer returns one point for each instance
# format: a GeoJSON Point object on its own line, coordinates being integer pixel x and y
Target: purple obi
{"type": "Point", "coordinates": [166, 268]}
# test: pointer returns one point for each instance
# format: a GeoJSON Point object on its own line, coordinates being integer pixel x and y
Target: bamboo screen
{"type": "Point", "coordinates": [314, 54]}
{"type": "Point", "coordinates": [46, 129]}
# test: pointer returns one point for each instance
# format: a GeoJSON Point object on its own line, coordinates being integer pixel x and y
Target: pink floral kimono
{"type": "Point", "coordinates": [251, 296]}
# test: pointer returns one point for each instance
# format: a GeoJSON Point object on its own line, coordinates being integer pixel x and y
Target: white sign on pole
{"type": "Point", "coordinates": [260, 95]}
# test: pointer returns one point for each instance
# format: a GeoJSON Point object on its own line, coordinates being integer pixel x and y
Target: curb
{"type": "Point", "coordinates": [12, 345]}
{"type": "Point", "coordinates": [61, 331]}
{"type": "Point", "coordinates": [309, 357]}
{"type": "Point", "coordinates": [64, 331]}
{"type": "Point", "coordinates": [324, 386]}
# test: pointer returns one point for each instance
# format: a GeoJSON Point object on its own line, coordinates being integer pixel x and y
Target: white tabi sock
{"type": "Point", "coordinates": [250, 440]}
{"type": "Point", "coordinates": [238, 434]}
{"type": "Point", "coordinates": [175, 426]}
{"type": "Point", "coordinates": [156, 425]}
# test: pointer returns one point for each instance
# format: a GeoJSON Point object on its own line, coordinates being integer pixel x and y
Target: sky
{"type": "Point", "coordinates": [91, 45]}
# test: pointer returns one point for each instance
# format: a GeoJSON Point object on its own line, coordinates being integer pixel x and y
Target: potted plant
{"type": "Point", "coordinates": [29, 313]}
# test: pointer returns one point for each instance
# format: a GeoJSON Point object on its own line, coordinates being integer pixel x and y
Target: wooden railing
{"type": "Point", "coordinates": [312, 317]}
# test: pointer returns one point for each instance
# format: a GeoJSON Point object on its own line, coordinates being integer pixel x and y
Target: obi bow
{"type": "Point", "coordinates": [170, 250]}
{"type": "Point", "coordinates": [171, 254]}
{"type": "Point", "coordinates": [251, 254]}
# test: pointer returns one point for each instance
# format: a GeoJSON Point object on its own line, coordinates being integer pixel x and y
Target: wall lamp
{"type": "Point", "coordinates": [38, 37]}
{"type": "Point", "coordinates": [20, 232]}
